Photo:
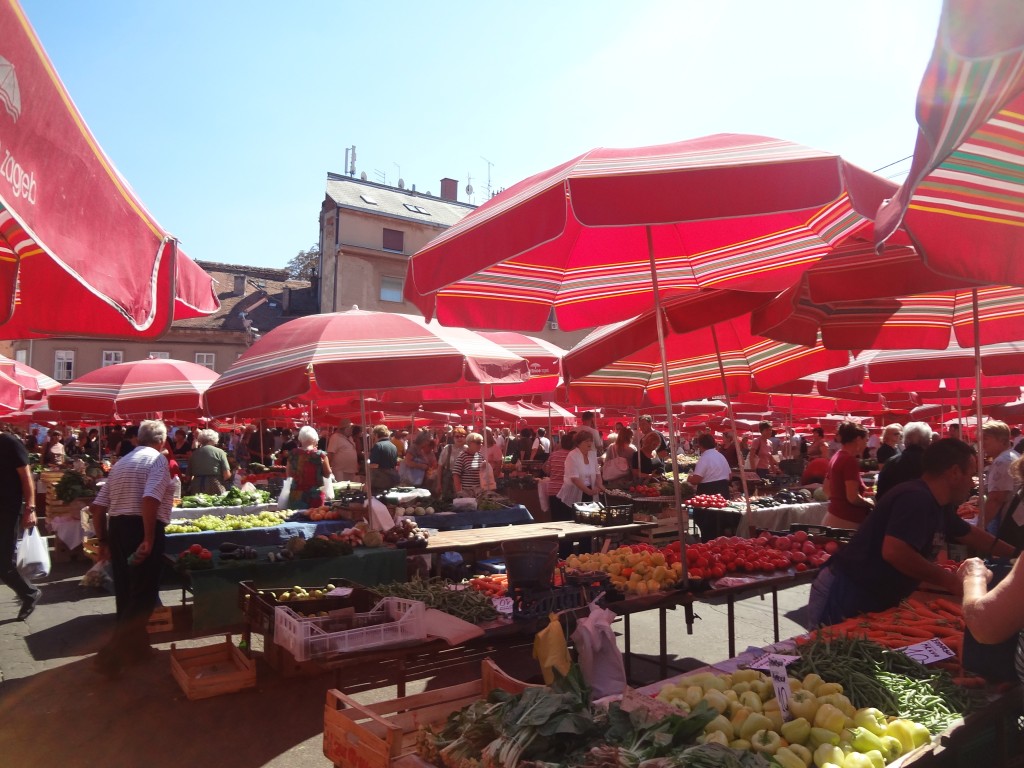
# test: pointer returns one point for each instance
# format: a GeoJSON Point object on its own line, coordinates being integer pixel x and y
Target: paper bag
{"type": "Point", "coordinates": [33, 555]}
{"type": "Point", "coordinates": [550, 650]}
{"type": "Point", "coordinates": [599, 656]}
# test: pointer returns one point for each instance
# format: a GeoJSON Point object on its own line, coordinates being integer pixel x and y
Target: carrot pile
{"type": "Point", "coordinates": [912, 621]}
{"type": "Point", "coordinates": [492, 585]}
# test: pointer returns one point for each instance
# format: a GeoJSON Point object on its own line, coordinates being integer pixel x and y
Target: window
{"type": "Point", "coordinates": [391, 289]}
{"type": "Point", "coordinates": [160, 355]}
{"type": "Point", "coordinates": [21, 356]}
{"type": "Point", "coordinates": [368, 200]}
{"type": "Point", "coordinates": [394, 240]}
{"type": "Point", "coordinates": [417, 209]}
{"type": "Point", "coordinates": [112, 357]}
{"type": "Point", "coordinates": [207, 359]}
{"type": "Point", "coordinates": [64, 364]}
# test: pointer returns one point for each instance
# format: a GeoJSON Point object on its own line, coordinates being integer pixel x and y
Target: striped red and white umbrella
{"type": "Point", "coordinates": [321, 357]}
{"type": "Point", "coordinates": [34, 384]}
{"type": "Point", "coordinates": [576, 243]}
{"type": "Point", "coordinates": [137, 388]}
{"type": "Point", "coordinates": [963, 201]}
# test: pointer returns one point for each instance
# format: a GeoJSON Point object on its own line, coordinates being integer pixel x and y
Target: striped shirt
{"type": "Point", "coordinates": [467, 468]}
{"type": "Point", "coordinates": [555, 468]}
{"type": "Point", "coordinates": [143, 472]}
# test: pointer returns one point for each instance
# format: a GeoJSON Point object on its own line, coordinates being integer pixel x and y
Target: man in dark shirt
{"type": "Point", "coordinates": [894, 550]}
{"type": "Point", "coordinates": [905, 465]}
{"type": "Point", "coordinates": [383, 460]}
{"type": "Point", "coordinates": [17, 513]}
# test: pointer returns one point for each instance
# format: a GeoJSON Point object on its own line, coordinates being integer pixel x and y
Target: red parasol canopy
{"type": "Point", "coordinates": [70, 226]}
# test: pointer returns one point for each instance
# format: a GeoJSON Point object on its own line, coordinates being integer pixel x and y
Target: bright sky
{"type": "Point", "coordinates": [226, 117]}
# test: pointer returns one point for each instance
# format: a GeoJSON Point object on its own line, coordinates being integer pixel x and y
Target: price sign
{"type": "Point", "coordinates": [502, 605]}
{"type": "Point", "coordinates": [761, 662]}
{"type": "Point", "coordinates": [780, 682]}
{"type": "Point", "coordinates": [340, 592]}
{"type": "Point", "coordinates": [928, 652]}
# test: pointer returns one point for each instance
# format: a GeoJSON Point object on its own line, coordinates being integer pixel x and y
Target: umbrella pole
{"type": "Point", "coordinates": [483, 418]}
{"type": "Point", "coordinates": [977, 397]}
{"type": "Point", "coordinates": [681, 517]}
{"type": "Point", "coordinates": [366, 454]}
{"type": "Point", "coordinates": [732, 418]}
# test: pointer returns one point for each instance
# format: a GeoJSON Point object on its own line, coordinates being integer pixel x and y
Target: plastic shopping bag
{"type": "Point", "coordinates": [487, 482]}
{"type": "Point", "coordinates": [550, 650]}
{"type": "Point", "coordinates": [599, 656]}
{"type": "Point", "coordinates": [33, 555]}
{"type": "Point", "coordinates": [328, 488]}
{"type": "Point", "coordinates": [286, 489]}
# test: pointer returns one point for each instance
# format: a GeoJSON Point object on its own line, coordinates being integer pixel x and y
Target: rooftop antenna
{"type": "Point", "coordinates": [469, 187]}
{"type": "Point", "coordinates": [381, 176]}
{"type": "Point", "coordinates": [350, 160]}
{"type": "Point", "coordinates": [401, 183]}
{"type": "Point", "coordinates": [489, 166]}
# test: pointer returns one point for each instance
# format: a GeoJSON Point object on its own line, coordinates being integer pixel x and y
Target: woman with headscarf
{"type": "Point", "coordinates": [307, 468]}
{"type": "Point", "coordinates": [208, 465]}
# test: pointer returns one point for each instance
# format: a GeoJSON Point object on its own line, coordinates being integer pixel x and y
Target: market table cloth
{"type": "Point", "coordinates": [254, 537]}
{"type": "Point", "coordinates": [215, 591]}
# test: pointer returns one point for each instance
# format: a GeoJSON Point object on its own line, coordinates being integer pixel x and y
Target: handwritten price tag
{"type": "Point", "coordinates": [502, 605]}
{"type": "Point", "coordinates": [928, 652]}
{"type": "Point", "coordinates": [780, 682]}
{"type": "Point", "coordinates": [762, 661]}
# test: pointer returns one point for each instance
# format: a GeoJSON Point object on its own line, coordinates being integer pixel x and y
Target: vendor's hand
{"type": "Point", "coordinates": [102, 552]}
{"type": "Point", "coordinates": [143, 550]}
{"type": "Point", "coordinates": [973, 567]}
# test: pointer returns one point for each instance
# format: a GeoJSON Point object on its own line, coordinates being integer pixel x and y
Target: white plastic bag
{"type": "Point", "coordinates": [328, 488]}
{"type": "Point", "coordinates": [487, 482]}
{"type": "Point", "coordinates": [600, 659]}
{"type": "Point", "coordinates": [33, 555]}
{"type": "Point", "coordinates": [286, 489]}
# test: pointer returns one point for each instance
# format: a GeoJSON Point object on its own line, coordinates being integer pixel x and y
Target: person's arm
{"type": "Point", "coordinates": [853, 495]}
{"type": "Point", "coordinates": [28, 493]}
{"type": "Point", "coordinates": [326, 466]}
{"type": "Point", "coordinates": [980, 540]}
{"type": "Point", "coordinates": [457, 475]}
{"type": "Point", "coordinates": [908, 561]}
{"type": "Point", "coordinates": [992, 616]}
{"type": "Point", "coordinates": [994, 501]}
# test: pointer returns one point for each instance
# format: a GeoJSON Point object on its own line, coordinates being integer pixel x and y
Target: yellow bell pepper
{"type": "Point", "coordinates": [802, 752]}
{"type": "Point", "coordinates": [839, 701]}
{"type": "Point", "coordinates": [803, 704]}
{"type": "Point", "coordinates": [766, 742]}
{"type": "Point", "coordinates": [829, 717]}
{"type": "Point", "coordinates": [740, 687]}
{"type": "Point", "coordinates": [770, 705]}
{"type": "Point", "coordinates": [826, 688]}
{"type": "Point", "coordinates": [877, 758]}
{"type": "Point", "coordinates": [738, 717]}
{"type": "Point", "coordinates": [775, 716]}
{"type": "Point", "coordinates": [829, 753]}
{"type": "Point", "coordinates": [895, 747]}
{"type": "Point", "coordinates": [755, 722]}
{"type": "Point", "coordinates": [741, 744]}
{"type": "Point", "coordinates": [921, 734]}
{"type": "Point", "coordinates": [752, 701]}
{"type": "Point", "coordinates": [811, 682]}
{"type": "Point", "coordinates": [693, 695]}
{"type": "Point", "coordinates": [763, 688]}
{"type": "Point", "coordinates": [721, 723]}
{"type": "Point", "coordinates": [872, 719]}
{"type": "Point", "coordinates": [796, 731]}
{"type": "Point", "coordinates": [731, 695]}
{"type": "Point", "coordinates": [716, 737]}
{"type": "Point", "coordinates": [786, 758]}
{"type": "Point", "coordinates": [745, 676]}
{"type": "Point", "coordinates": [821, 736]}
{"type": "Point", "coordinates": [716, 700]}
{"type": "Point", "coordinates": [900, 729]}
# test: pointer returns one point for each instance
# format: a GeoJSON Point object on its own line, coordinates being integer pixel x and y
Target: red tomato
{"type": "Point", "coordinates": [205, 554]}
{"type": "Point", "coordinates": [800, 536]}
{"type": "Point", "coordinates": [831, 547]}
{"type": "Point", "coordinates": [696, 573]}
{"type": "Point", "coordinates": [801, 567]}
{"type": "Point", "coordinates": [195, 549]}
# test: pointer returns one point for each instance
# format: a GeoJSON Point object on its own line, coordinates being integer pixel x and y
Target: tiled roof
{"type": "Point", "coordinates": [262, 302]}
{"type": "Point", "coordinates": [389, 201]}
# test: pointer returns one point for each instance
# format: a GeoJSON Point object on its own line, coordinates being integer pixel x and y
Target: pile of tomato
{"type": "Point", "coordinates": [766, 554]}
{"type": "Point", "coordinates": [708, 501]}
{"type": "Point", "coordinates": [645, 490]}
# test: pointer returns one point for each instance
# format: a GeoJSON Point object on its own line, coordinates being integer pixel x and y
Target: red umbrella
{"type": "Point", "coordinates": [531, 415]}
{"type": "Point", "coordinates": [70, 226]}
{"type": "Point", "coordinates": [137, 388]}
{"type": "Point", "coordinates": [724, 211]}
{"type": "Point", "coordinates": [34, 384]}
{"type": "Point", "coordinates": [963, 201]}
{"type": "Point", "coordinates": [323, 356]}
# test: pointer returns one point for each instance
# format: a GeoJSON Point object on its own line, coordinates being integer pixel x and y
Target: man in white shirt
{"type": "Point", "coordinates": [587, 419]}
{"type": "Point", "coordinates": [541, 446]}
{"type": "Point", "coordinates": [999, 482]}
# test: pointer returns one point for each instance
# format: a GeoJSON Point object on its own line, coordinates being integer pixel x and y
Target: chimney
{"type": "Point", "coordinates": [239, 285]}
{"type": "Point", "coordinates": [286, 300]}
{"type": "Point", "coordinates": [450, 190]}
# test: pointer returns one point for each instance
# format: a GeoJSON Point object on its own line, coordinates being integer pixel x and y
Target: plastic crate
{"type": "Point", "coordinates": [258, 604]}
{"type": "Point", "coordinates": [595, 513]}
{"type": "Point", "coordinates": [393, 620]}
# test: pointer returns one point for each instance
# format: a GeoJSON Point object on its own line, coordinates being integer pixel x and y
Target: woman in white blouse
{"type": "Point", "coordinates": [582, 478]}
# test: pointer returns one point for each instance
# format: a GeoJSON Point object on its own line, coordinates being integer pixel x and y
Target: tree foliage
{"type": "Point", "coordinates": [304, 264]}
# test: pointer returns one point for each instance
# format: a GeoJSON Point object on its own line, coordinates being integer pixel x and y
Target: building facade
{"type": "Point", "coordinates": [368, 231]}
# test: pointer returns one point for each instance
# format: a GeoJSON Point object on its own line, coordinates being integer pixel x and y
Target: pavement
{"type": "Point", "coordinates": [58, 711]}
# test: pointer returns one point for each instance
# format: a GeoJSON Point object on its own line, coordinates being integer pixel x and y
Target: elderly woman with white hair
{"type": "Point", "coordinates": [307, 468]}
{"type": "Point", "coordinates": [208, 465]}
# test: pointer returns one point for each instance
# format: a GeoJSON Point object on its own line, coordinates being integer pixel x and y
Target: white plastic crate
{"type": "Point", "coordinates": [392, 620]}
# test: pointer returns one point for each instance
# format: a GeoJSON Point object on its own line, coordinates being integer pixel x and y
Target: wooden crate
{"type": "Point", "coordinates": [161, 620]}
{"type": "Point", "coordinates": [664, 532]}
{"type": "Point", "coordinates": [212, 670]}
{"type": "Point", "coordinates": [383, 735]}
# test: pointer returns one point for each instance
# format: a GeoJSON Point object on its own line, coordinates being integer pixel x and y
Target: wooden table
{"type": "Point", "coordinates": [447, 541]}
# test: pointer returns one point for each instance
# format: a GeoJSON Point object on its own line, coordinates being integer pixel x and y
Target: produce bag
{"type": "Point", "coordinates": [550, 650]}
{"type": "Point", "coordinates": [599, 656]}
{"type": "Point", "coordinates": [328, 488]}
{"type": "Point", "coordinates": [33, 555]}
{"type": "Point", "coordinates": [286, 490]}
{"type": "Point", "coordinates": [487, 482]}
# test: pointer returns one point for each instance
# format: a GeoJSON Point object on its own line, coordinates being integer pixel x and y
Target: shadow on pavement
{"type": "Point", "coordinates": [75, 637]}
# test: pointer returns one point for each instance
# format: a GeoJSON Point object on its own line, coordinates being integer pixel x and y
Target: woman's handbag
{"type": "Point", "coordinates": [615, 468]}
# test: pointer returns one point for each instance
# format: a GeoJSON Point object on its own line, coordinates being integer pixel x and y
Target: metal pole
{"type": "Point", "coordinates": [677, 490]}
{"type": "Point", "coordinates": [977, 397]}
{"type": "Point", "coordinates": [366, 455]}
